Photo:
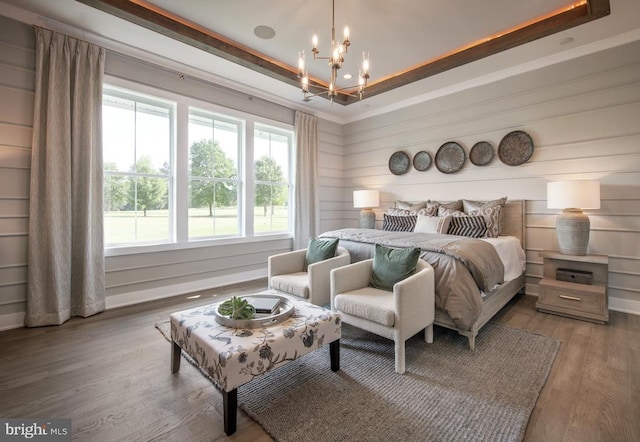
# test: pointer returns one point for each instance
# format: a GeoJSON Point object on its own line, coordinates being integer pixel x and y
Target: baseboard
{"type": "Point", "coordinates": [16, 320]}
{"type": "Point", "coordinates": [11, 320]}
{"type": "Point", "coordinates": [624, 306]}
{"type": "Point", "coordinates": [140, 296]}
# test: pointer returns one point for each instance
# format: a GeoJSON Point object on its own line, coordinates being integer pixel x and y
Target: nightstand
{"type": "Point", "coordinates": [575, 300]}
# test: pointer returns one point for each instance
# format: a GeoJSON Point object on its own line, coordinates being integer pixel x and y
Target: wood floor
{"type": "Point", "coordinates": [110, 375]}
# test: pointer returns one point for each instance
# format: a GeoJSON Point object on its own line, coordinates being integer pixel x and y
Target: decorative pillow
{"type": "Point", "coordinates": [429, 211]}
{"type": "Point", "coordinates": [470, 226]}
{"type": "Point", "coordinates": [492, 217]}
{"type": "Point", "coordinates": [471, 206]}
{"type": "Point", "coordinates": [392, 265]}
{"type": "Point", "coordinates": [319, 250]}
{"type": "Point", "coordinates": [410, 206]}
{"type": "Point", "coordinates": [443, 211]}
{"type": "Point", "coordinates": [432, 224]}
{"type": "Point", "coordinates": [454, 205]}
{"type": "Point", "coordinates": [399, 223]}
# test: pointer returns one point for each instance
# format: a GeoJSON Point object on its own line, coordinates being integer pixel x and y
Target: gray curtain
{"type": "Point", "coordinates": [65, 276]}
{"type": "Point", "coordinates": [307, 218]}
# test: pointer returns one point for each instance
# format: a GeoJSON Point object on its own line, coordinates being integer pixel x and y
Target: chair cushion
{"type": "Point", "coordinates": [319, 250]}
{"type": "Point", "coordinates": [296, 284]}
{"type": "Point", "coordinates": [392, 265]}
{"type": "Point", "coordinates": [369, 303]}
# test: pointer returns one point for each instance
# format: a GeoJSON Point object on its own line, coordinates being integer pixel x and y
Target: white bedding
{"type": "Point", "coordinates": [511, 254]}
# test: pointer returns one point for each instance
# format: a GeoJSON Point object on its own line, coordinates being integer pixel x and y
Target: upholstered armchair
{"type": "Point", "coordinates": [287, 273]}
{"type": "Point", "coordinates": [395, 315]}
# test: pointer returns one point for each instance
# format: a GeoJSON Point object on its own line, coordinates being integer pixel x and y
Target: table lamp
{"type": "Point", "coordinates": [366, 200]}
{"type": "Point", "coordinates": [572, 226]}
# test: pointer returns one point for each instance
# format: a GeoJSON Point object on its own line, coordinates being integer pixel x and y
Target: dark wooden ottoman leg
{"type": "Point", "coordinates": [176, 351]}
{"type": "Point", "coordinates": [230, 404]}
{"type": "Point", "coordinates": [334, 352]}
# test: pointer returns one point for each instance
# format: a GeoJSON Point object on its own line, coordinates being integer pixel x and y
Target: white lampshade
{"type": "Point", "coordinates": [573, 195]}
{"type": "Point", "coordinates": [366, 199]}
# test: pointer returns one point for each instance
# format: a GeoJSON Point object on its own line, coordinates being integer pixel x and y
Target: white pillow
{"type": "Point", "coordinates": [432, 224]}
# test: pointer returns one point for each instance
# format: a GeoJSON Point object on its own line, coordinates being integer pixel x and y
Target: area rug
{"type": "Point", "coordinates": [448, 393]}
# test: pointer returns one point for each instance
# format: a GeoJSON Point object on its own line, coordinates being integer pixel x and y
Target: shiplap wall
{"type": "Point", "coordinates": [133, 277]}
{"type": "Point", "coordinates": [584, 118]}
{"type": "Point", "coordinates": [17, 79]}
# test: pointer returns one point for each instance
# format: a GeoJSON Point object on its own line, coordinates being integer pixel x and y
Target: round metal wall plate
{"type": "Point", "coordinates": [515, 148]}
{"type": "Point", "coordinates": [481, 153]}
{"type": "Point", "coordinates": [399, 163]}
{"type": "Point", "coordinates": [450, 157]}
{"type": "Point", "coordinates": [422, 161]}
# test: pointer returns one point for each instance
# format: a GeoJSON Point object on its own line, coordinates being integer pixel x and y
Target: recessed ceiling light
{"type": "Point", "coordinates": [264, 32]}
{"type": "Point", "coordinates": [347, 76]}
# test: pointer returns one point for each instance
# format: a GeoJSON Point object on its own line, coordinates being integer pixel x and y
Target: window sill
{"type": "Point", "coordinates": [154, 248]}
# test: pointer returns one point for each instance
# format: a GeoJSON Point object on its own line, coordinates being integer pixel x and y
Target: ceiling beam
{"type": "Point", "coordinates": [152, 18]}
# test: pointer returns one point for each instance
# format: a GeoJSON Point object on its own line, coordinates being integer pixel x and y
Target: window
{"type": "Point", "coordinates": [214, 150]}
{"type": "Point", "coordinates": [178, 170]}
{"type": "Point", "coordinates": [272, 179]}
{"type": "Point", "coordinates": [138, 147]}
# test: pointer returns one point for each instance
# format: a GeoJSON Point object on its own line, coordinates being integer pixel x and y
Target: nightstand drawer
{"type": "Point", "coordinates": [561, 295]}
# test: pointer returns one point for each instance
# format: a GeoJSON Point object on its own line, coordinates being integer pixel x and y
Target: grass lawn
{"type": "Point", "coordinates": [127, 226]}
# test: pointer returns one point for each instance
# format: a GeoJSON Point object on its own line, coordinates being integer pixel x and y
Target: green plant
{"type": "Point", "coordinates": [237, 308]}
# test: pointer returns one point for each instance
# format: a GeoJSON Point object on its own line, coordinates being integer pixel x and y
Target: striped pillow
{"type": "Point", "coordinates": [470, 226]}
{"type": "Point", "coordinates": [398, 223]}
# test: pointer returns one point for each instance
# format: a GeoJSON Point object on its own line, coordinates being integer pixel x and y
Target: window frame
{"type": "Point", "coordinates": [180, 172]}
{"type": "Point", "coordinates": [139, 97]}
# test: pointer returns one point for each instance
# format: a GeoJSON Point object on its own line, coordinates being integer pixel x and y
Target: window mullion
{"type": "Point", "coordinates": [248, 195]}
{"type": "Point", "coordinates": [182, 173]}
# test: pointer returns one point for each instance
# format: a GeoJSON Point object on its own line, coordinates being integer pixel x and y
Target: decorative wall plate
{"type": "Point", "coordinates": [399, 163]}
{"type": "Point", "coordinates": [481, 153]}
{"type": "Point", "coordinates": [450, 157]}
{"type": "Point", "coordinates": [422, 161]}
{"type": "Point", "coordinates": [515, 148]}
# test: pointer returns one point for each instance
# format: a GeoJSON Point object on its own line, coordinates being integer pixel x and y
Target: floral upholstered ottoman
{"type": "Point", "coordinates": [233, 356]}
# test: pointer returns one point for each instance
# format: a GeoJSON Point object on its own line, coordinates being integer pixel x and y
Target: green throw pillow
{"type": "Point", "coordinates": [319, 250]}
{"type": "Point", "coordinates": [392, 265]}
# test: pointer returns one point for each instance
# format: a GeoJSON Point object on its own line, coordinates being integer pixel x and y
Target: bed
{"type": "Point", "coordinates": [468, 292]}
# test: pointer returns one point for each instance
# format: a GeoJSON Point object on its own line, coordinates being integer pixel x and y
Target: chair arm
{"type": "Point", "coordinates": [320, 278]}
{"type": "Point", "coordinates": [414, 296]}
{"type": "Point", "coordinates": [288, 262]}
{"type": "Point", "coordinates": [350, 277]}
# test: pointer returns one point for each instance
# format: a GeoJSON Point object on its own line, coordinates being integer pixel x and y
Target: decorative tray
{"type": "Point", "coordinates": [481, 153]}
{"type": "Point", "coordinates": [450, 157]}
{"type": "Point", "coordinates": [515, 148]}
{"type": "Point", "coordinates": [283, 312]}
{"type": "Point", "coordinates": [399, 163]}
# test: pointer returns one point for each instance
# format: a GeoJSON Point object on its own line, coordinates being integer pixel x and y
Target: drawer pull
{"type": "Point", "coordinates": [570, 298]}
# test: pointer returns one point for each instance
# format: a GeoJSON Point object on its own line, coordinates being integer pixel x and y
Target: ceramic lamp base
{"type": "Point", "coordinates": [367, 219]}
{"type": "Point", "coordinates": [573, 228]}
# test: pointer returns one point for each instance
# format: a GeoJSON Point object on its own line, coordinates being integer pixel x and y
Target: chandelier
{"type": "Point", "coordinates": [335, 60]}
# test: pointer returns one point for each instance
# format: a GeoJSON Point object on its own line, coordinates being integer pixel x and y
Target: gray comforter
{"type": "Point", "coordinates": [463, 267]}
